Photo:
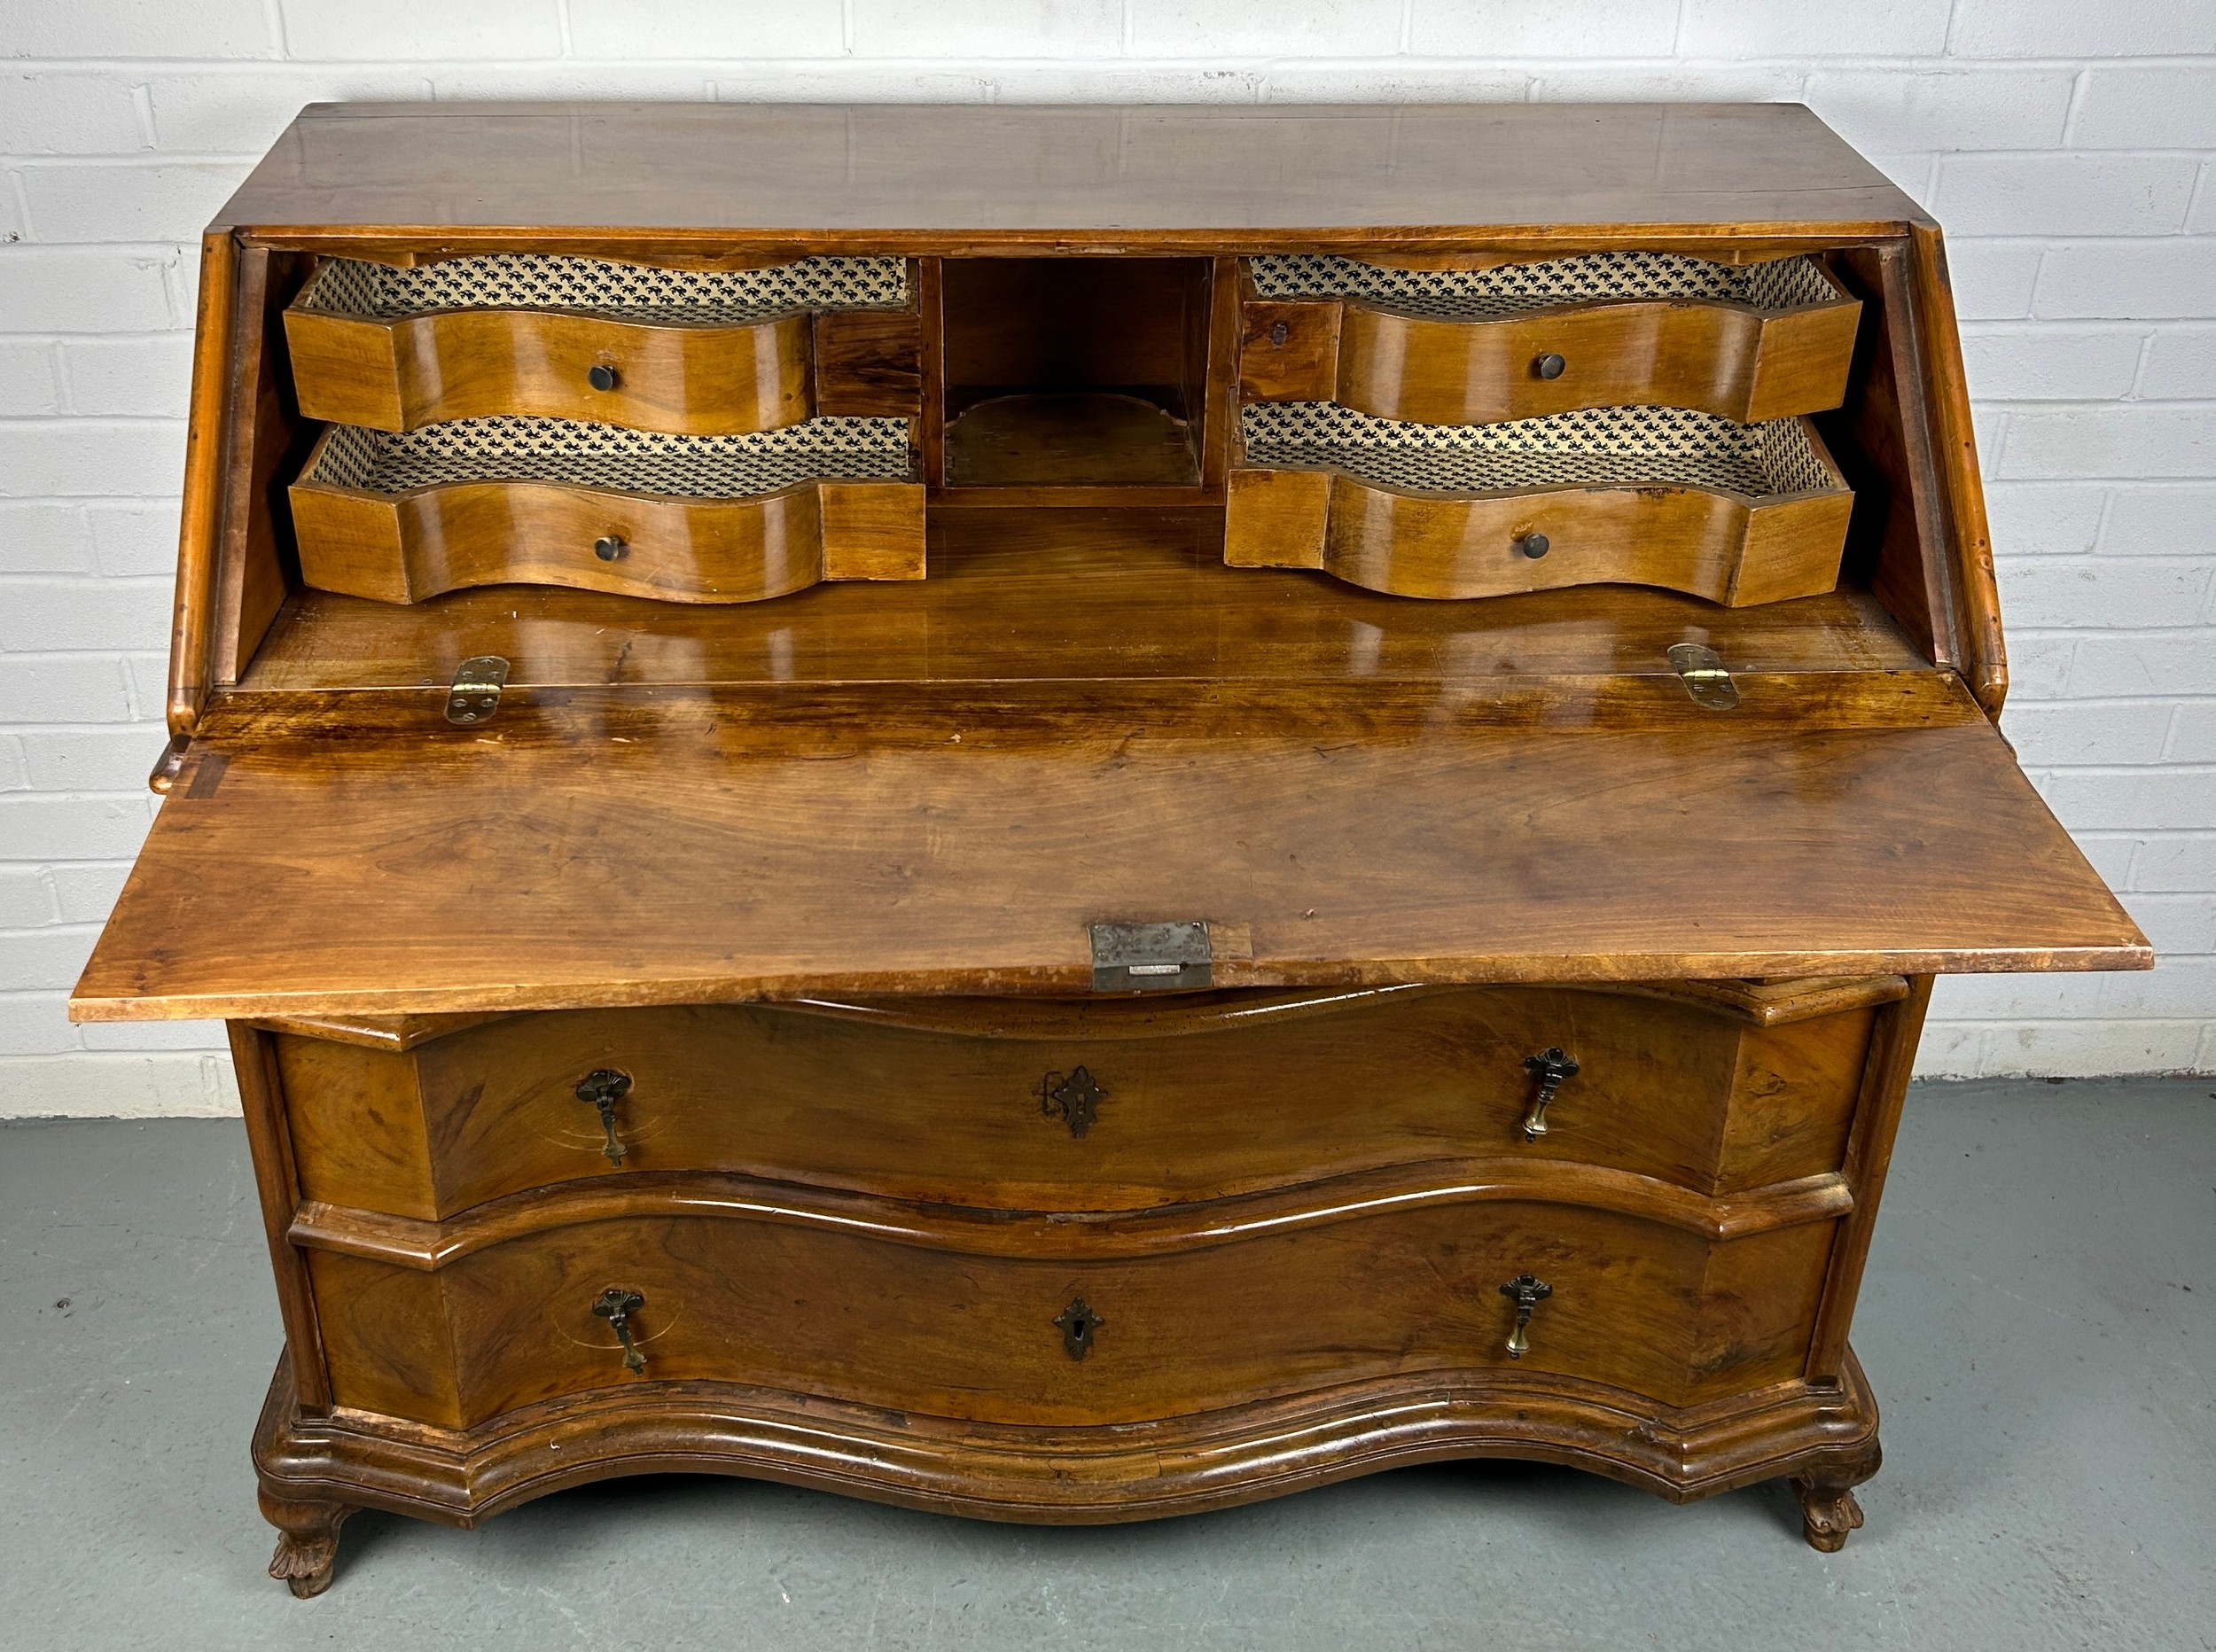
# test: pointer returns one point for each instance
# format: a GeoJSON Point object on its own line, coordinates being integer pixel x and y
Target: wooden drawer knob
{"type": "Point", "coordinates": [602, 377]}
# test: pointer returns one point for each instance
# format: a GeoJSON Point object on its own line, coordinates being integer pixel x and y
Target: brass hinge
{"type": "Point", "coordinates": [1706, 678]}
{"type": "Point", "coordinates": [475, 694]}
{"type": "Point", "coordinates": [1151, 958]}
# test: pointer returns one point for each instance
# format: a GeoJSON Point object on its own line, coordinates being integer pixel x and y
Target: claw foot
{"type": "Point", "coordinates": [308, 1543]}
{"type": "Point", "coordinates": [1828, 1513]}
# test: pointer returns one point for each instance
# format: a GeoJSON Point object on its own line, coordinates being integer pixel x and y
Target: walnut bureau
{"type": "Point", "coordinates": [1074, 813]}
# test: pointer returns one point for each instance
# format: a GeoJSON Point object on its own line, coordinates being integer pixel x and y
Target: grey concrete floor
{"type": "Point", "coordinates": [2040, 1321]}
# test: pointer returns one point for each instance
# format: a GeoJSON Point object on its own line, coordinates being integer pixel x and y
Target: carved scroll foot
{"type": "Point", "coordinates": [1828, 1508]}
{"type": "Point", "coordinates": [308, 1543]}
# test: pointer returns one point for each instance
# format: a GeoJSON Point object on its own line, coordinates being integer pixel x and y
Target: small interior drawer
{"type": "Point", "coordinates": [690, 352]}
{"type": "Point", "coordinates": [1662, 496]}
{"type": "Point", "coordinates": [1468, 346]}
{"type": "Point", "coordinates": [549, 501]}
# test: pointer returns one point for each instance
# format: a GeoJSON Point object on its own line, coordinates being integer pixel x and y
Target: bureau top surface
{"type": "Point", "coordinates": [1082, 172]}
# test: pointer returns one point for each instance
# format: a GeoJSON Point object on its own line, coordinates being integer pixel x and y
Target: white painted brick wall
{"type": "Point", "coordinates": [2070, 149]}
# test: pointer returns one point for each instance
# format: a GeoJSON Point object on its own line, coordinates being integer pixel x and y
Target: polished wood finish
{"type": "Point", "coordinates": [403, 548]}
{"type": "Point", "coordinates": [1727, 547]}
{"type": "Point", "coordinates": [897, 1307]}
{"type": "Point", "coordinates": [933, 180]}
{"type": "Point", "coordinates": [398, 373]}
{"type": "Point", "coordinates": [1880, 814]}
{"type": "Point", "coordinates": [1728, 359]}
{"type": "Point", "coordinates": [799, 893]}
{"type": "Point", "coordinates": [194, 608]}
{"type": "Point", "coordinates": [1118, 595]}
{"type": "Point", "coordinates": [1672, 1087]}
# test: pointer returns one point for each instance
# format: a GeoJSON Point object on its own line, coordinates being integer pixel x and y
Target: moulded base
{"type": "Point", "coordinates": [1826, 1439]}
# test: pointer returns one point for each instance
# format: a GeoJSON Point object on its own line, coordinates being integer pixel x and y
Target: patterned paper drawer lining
{"type": "Point", "coordinates": [1509, 289]}
{"type": "Point", "coordinates": [635, 293]}
{"type": "Point", "coordinates": [1602, 445]}
{"type": "Point", "coordinates": [605, 455]}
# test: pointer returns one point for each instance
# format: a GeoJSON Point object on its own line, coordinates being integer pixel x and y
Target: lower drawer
{"type": "Point", "coordinates": [1046, 1322]}
{"type": "Point", "coordinates": [1097, 1104]}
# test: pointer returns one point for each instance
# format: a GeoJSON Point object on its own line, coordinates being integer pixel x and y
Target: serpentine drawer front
{"type": "Point", "coordinates": [1048, 1322]}
{"type": "Point", "coordinates": [1074, 1105]}
{"type": "Point", "coordinates": [1074, 813]}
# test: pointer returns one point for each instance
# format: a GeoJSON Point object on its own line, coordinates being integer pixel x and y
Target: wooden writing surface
{"type": "Point", "coordinates": [353, 853]}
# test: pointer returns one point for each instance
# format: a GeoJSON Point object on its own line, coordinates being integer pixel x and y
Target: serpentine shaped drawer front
{"type": "Point", "coordinates": [1051, 1322]}
{"type": "Point", "coordinates": [548, 502]}
{"type": "Point", "coordinates": [1084, 1106]}
{"type": "Point", "coordinates": [1453, 346]}
{"type": "Point", "coordinates": [688, 351]}
{"type": "Point", "coordinates": [1737, 514]}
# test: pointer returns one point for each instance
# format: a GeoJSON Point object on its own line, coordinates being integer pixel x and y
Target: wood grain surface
{"type": "Point", "coordinates": [698, 846]}
{"type": "Point", "coordinates": [403, 548]}
{"type": "Point", "coordinates": [1726, 548]}
{"type": "Point", "coordinates": [955, 1100]}
{"type": "Point", "coordinates": [924, 179]}
{"type": "Point", "coordinates": [1731, 360]}
{"type": "Point", "coordinates": [1073, 594]}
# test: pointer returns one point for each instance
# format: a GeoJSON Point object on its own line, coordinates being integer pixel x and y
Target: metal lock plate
{"type": "Point", "coordinates": [1151, 958]}
{"type": "Point", "coordinates": [475, 694]}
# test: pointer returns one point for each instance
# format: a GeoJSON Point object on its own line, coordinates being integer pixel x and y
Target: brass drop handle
{"type": "Point", "coordinates": [602, 377]}
{"type": "Point", "coordinates": [1077, 1096]}
{"type": "Point", "coordinates": [604, 1088]}
{"type": "Point", "coordinates": [1078, 1323]}
{"type": "Point", "coordinates": [1527, 1293]}
{"type": "Point", "coordinates": [616, 1305]}
{"type": "Point", "coordinates": [1550, 1067]}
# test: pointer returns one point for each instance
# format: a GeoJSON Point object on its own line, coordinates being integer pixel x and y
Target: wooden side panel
{"type": "Point", "coordinates": [256, 565]}
{"type": "Point", "coordinates": [359, 1133]}
{"type": "Point", "coordinates": [277, 1182]}
{"type": "Point", "coordinates": [1275, 519]}
{"type": "Point", "coordinates": [201, 521]}
{"type": "Point", "coordinates": [400, 373]}
{"type": "Point", "coordinates": [1983, 651]}
{"type": "Point", "coordinates": [1289, 349]}
{"type": "Point", "coordinates": [1793, 1095]}
{"type": "Point", "coordinates": [387, 1339]}
{"type": "Point", "coordinates": [868, 364]}
{"type": "Point", "coordinates": [872, 530]}
{"type": "Point", "coordinates": [1756, 1305]}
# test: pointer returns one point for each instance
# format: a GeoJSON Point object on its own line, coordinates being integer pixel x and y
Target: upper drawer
{"type": "Point", "coordinates": [1092, 1105]}
{"type": "Point", "coordinates": [1470, 347]}
{"type": "Point", "coordinates": [691, 351]}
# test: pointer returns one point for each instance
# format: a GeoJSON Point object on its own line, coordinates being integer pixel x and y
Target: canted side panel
{"type": "Point", "coordinates": [1751, 1321]}
{"type": "Point", "coordinates": [358, 1131]}
{"type": "Point", "coordinates": [953, 1335]}
{"type": "Point", "coordinates": [1793, 1093]}
{"type": "Point", "coordinates": [387, 1339]}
